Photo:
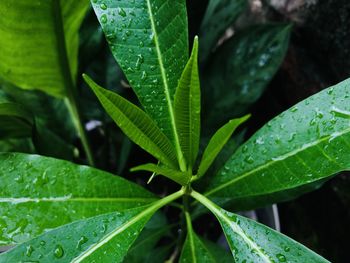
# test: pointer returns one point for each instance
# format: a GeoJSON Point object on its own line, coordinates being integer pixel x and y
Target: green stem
{"type": "Point", "coordinates": [206, 202]}
{"type": "Point", "coordinates": [71, 92]}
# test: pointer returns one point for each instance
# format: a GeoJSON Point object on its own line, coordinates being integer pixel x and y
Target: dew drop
{"type": "Point", "coordinates": [29, 250]}
{"type": "Point", "coordinates": [281, 258]}
{"type": "Point", "coordinates": [104, 18]}
{"type": "Point", "coordinates": [103, 6]}
{"type": "Point", "coordinates": [58, 252]}
{"type": "Point", "coordinates": [121, 12]}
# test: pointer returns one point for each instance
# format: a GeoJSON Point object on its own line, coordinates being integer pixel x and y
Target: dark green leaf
{"type": "Point", "coordinates": [15, 121]}
{"type": "Point", "coordinates": [39, 193]}
{"type": "Point", "coordinates": [175, 175]}
{"type": "Point", "coordinates": [219, 16]}
{"type": "Point", "coordinates": [136, 124]}
{"type": "Point", "coordinates": [34, 35]}
{"type": "Point", "coordinates": [187, 105]}
{"type": "Point", "coordinates": [217, 142]}
{"type": "Point", "coordinates": [241, 69]}
{"type": "Point", "coordinates": [253, 242]}
{"type": "Point", "coordinates": [305, 144]}
{"type": "Point", "coordinates": [96, 239]}
{"type": "Point", "coordinates": [149, 39]}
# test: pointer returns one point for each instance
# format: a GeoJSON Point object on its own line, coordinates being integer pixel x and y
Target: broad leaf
{"type": "Point", "coordinates": [175, 175]}
{"type": "Point", "coordinates": [149, 39]}
{"type": "Point", "coordinates": [187, 106]}
{"type": "Point", "coordinates": [136, 124]}
{"type": "Point", "coordinates": [39, 193]}
{"type": "Point", "coordinates": [241, 69]}
{"type": "Point", "coordinates": [217, 142]}
{"type": "Point", "coordinates": [96, 239]}
{"type": "Point", "coordinates": [198, 250]}
{"type": "Point", "coordinates": [305, 144]}
{"type": "Point", "coordinates": [253, 242]}
{"type": "Point", "coordinates": [220, 14]}
{"type": "Point", "coordinates": [39, 40]}
{"type": "Point", "coordinates": [15, 121]}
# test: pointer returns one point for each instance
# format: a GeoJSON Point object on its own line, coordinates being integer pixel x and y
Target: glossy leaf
{"type": "Point", "coordinates": [96, 239]}
{"type": "Point", "coordinates": [15, 121]}
{"type": "Point", "coordinates": [220, 14]}
{"type": "Point", "coordinates": [217, 142]}
{"type": "Point", "coordinates": [187, 104]}
{"type": "Point", "coordinates": [175, 175]}
{"type": "Point", "coordinates": [253, 242]}
{"type": "Point", "coordinates": [149, 39]}
{"type": "Point", "coordinates": [36, 37]}
{"type": "Point", "coordinates": [303, 145]}
{"type": "Point", "coordinates": [136, 124]}
{"type": "Point", "coordinates": [196, 249]}
{"type": "Point", "coordinates": [241, 69]}
{"type": "Point", "coordinates": [39, 193]}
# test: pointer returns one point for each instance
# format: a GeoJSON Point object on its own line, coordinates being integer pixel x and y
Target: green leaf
{"type": "Point", "coordinates": [136, 124]}
{"type": "Point", "coordinates": [55, 192]}
{"type": "Point", "coordinates": [15, 121]}
{"type": "Point", "coordinates": [149, 39]}
{"type": "Point", "coordinates": [96, 239]}
{"type": "Point", "coordinates": [198, 250]}
{"type": "Point", "coordinates": [241, 69]}
{"type": "Point", "coordinates": [187, 105]}
{"type": "Point", "coordinates": [175, 175]}
{"type": "Point", "coordinates": [253, 242]}
{"type": "Point", "coordinates": [217, 142]}
{"type": "Point", "coordinates": [220, 14]}
{"type": "Point", "coordinates": [305, 144]}
{"type": "Point", "coordinates": [37, 37]}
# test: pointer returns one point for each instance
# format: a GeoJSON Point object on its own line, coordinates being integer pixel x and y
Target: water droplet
{"type": "Point", "coordinates": [58, 252]}
{"type": "Point", "coordinates": [42, 243]}
{"type": "Point", "coordinates": [281, 258]}
{"type": "Point", "coordinates": [141, 44]}
{"type": "Point", "coordinates": [29, 250]}
{"type": "Point", "coordinates": [249, 159]}
{"type": "Point", "coordinates": [82, 241]}
{"type": "Point", "coordinates": [121, 12]}
{"type": "Point", "coordinates": [103, 6]}
{"type": "Point", "coordinates": [294, 109]}
{"type": "Point", "coordinates": [104, 19]}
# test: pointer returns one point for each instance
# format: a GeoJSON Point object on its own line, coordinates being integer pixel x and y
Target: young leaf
{"type": "Point", "coordinates": [253, 242]}
{"type": "Point", "coordinates": [15, 121]}
{"type": "Point", "coordinates": [220, 14]}
{"type": "Point", "coordinates": [187, 106]}
{"type": "Point", "coordinates": [96, 239]}
{"type": "Point", "coordinates": [136, 124]}
{"type": "Point", "coordinates": [241, 69]}
{"type": "Point", "coordinates": [149, 39]}
{"type": "Point", "coordinates": [305, 144]}
{"type": "Point", "coordinates": [217, 142]}
{"type": "Point", "coordinates": [55, 192]}
{"type": "Point", "coordinates": [175, 175]}
{"type": "Point", "coordinates": [35, 36]}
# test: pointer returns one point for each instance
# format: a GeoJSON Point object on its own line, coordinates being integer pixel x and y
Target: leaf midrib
{"type": "Point", "coordinates": [280, 158]}
{"type": "Point", "coordinates": [76, 199]}
{"type": "Point", "coordinates": [166, 86]}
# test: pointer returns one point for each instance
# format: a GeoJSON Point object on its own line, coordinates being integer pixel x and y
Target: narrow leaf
{"type": "Point", "coordinates": [145, 36]}
{"type": "Point", "coordinates": [305, 144]}
{"type": "Point", "coordinates": [220, 14]}
{"type": "Point", "coordinates": [253, 242]}
{"type": "Point", "coordinates": [15, 121]}
{"type": "Point", "coordinates": [217, 142]}
{"type": "Point", "coordinates": [187, 106]}
{"type": "Point", "coordinates": [175, 175]}
{"type": "Point", "coordinates": [36, 38]}
{"type": "Point", "coordinates": [96, 239]}
{"type": "Point", "coordinates": [55, 192]}
{"type": "Point", "coordinates": [136, 124]}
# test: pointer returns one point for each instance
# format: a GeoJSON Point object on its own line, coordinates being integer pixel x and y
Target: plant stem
{"type": "Point", "coordinates": [205, 201]}
{"type": "Point", "coordinates": [70, 88]}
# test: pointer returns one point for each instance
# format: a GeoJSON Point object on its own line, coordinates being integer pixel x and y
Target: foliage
{"type": "Point", "coordinates": [58, 211]}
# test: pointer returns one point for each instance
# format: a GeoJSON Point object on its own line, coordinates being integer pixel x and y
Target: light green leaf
{"type": "Point", "coordinates": [96, 239]}
{"type": "Point", "coordinates": [305, 144]}
{"type": "Point", "coordinates": [15, 121]}
{"type": "Point", "coordinates": [253, 242]}
{"type": "Point", "coordinates": [40, 193]}
{"type": "Point", "coordinates": [175, 175]}
{"type": "Point", "coordinates": [241, 69]}
{"type": "Point", "coordinates": [197, 250]}
{"type": "Point", "coordinates": [39, 40]}
{"type": "Point", "coordinates": [136, 124]}
{"type": "Point", "coordinates": [220, 14]}
{"type": "Point", "coordinates": [149, 39]}
{"type": "Point", "coordinates": [217, 142]}
{"type": "Point", "coordinates": [187, 105]}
